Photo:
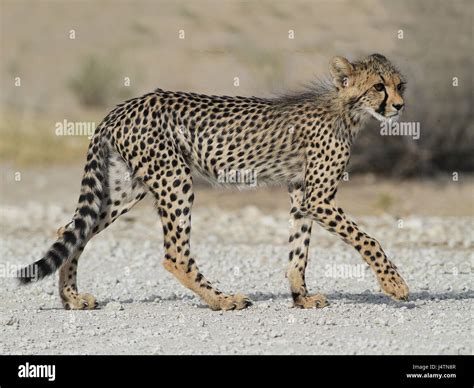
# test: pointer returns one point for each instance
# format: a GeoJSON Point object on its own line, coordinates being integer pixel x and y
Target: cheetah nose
{"type": "Point", "coordinates": [398, 106]}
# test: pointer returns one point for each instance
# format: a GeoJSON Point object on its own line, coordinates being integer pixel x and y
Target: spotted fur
{"type": "Point", "coordinates": [153, 144]}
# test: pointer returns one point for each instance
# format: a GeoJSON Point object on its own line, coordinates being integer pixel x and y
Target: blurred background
{"type": "Point", "coordinates": [74, 60]}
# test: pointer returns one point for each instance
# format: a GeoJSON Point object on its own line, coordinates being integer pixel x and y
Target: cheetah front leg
{"type": "Point", "coordinates": [300, 234]}
{"type": "Point", "coordinates": [174, 207]}
{"type": "Point", "coordinates": [334, 220]}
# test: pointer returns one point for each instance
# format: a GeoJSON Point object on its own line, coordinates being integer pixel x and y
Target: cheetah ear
{"type": "Point", "coordinates": [341, 70]}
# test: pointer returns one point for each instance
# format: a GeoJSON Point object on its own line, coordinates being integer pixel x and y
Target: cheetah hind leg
{"type": "Point", "coordinates": [121, 193]}
{"type": "Point", "coordinates": [70, 298]}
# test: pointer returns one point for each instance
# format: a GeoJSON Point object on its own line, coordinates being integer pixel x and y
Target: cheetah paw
{"type": "Point", "coordinates": [233, 302]}
{"type": "Point", "coordinates": [396, 288]}
{"type": "Point", "coordinates": [311, 301]}
{"type": "Point", "coordinates": [80, 302]}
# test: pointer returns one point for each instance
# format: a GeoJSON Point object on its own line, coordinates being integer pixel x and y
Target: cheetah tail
{"type": "Point", "coordinates": [79, 230]}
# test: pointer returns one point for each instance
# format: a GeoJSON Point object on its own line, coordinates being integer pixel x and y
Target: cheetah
{"type": "Point", "coordinates": [154, 144]}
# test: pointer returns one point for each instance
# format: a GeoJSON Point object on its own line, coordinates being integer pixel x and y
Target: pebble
{"type": "Point", "coordinates": [381, 321]}
{"type": "Point", "coordinates": [113, 306]}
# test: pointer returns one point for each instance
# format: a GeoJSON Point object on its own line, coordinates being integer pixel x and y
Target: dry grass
{"type": "Point", "coordinates": [30, 139]}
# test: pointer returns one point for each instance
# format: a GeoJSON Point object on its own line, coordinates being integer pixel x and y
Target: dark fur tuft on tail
{"type": "Point", "coordinates": [35, 271]}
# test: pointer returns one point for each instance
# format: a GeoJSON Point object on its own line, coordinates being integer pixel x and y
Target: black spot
{"type": "Point", "coordinates": [186, 188]}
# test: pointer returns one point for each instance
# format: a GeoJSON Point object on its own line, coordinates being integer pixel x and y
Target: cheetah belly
{"type": "Point", "coordinates": [264, 170]}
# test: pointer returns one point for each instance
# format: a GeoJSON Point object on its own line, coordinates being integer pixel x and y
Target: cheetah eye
{"type": "Point", "coordinates": [379, 87]}
{"type": "Point", "coordinates": [400, 86]}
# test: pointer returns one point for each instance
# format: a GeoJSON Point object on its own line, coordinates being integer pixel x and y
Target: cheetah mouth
{"type": "Point", "coordinates": [391, 117]}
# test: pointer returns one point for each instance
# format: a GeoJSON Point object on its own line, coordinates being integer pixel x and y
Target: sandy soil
{"type": "Point", "coordinates": [239, 242]}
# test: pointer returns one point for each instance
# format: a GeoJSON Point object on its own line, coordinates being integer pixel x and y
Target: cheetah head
{"type": "Point", "coordinates": [371, 86]}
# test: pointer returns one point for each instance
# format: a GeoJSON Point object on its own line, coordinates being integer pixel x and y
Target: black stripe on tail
{"type": "Point", "coordinates": [57, 254]}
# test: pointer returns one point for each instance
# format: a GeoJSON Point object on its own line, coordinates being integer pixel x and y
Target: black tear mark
{"type": "Point", "coordinates": [383, 105]}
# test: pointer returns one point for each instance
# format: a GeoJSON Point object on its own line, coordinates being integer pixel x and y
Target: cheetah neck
{"type": "Point", "coordinates": [323, 102]}
{"type": "Point", "coordinates": [347, 123]}
{"type": "Point", "coordinates": [346, 119]}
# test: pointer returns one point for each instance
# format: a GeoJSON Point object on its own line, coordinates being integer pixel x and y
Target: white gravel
{"type": "Point", "coordinates": [144, 310]}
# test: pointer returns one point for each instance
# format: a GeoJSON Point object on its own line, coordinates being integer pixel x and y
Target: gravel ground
{"type": "Point", "coordinates": [144, 310]}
